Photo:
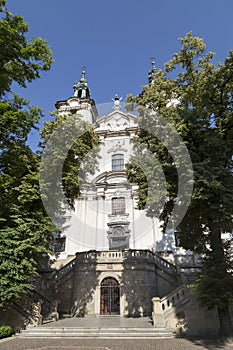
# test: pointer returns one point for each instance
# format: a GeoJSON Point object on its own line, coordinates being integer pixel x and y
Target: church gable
{"type": "Point", "coordinates": [116, 121]}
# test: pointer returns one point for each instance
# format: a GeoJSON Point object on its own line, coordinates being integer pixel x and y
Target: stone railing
{"type": "Point", "coordinates": [117, 255]}
{"type": "Point", "coordinates": [86, 257]}
{"type": "Point", "coordinates": [136, 254]}
{"type": "Point", "coordinates": [174, 299]}
{"type": "Point", "coordinates": [165, 265]}
{"type": "Point", "coordinates": [150, 256]}
{"type": "Point", "coordinates": [110, 256]}
{"type": "Point", "coordinates": [65, 269]}
{"type": "Point", "coordinates": [140, 254]}
{"type": "Point", "coordinates": [168, 306]}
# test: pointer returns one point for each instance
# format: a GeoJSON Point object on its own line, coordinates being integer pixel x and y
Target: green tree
{"type": "Point", "coordinates": [202, 114]}
{"type": "Point", "coordinates": [25, 229]}
{"type": "Point", "coordinates": [21, 60]}
{"type": "Point", "coordinates": [69, 154]}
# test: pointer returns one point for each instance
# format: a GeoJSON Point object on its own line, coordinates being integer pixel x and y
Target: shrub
{"type": "Point", "coordinates": [5, 331]}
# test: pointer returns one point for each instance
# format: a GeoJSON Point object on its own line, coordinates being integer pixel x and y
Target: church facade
{"type": "Point", "coordinates": [110, 259]}
{"type": "Point", "coordinates": [106, 214]}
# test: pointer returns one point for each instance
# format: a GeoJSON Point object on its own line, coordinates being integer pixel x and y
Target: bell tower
{"type": "Point", "coordinates": [152, 72]}
{"type": "Point", "coordinates": [81, 89]}
{"type": "Point", "coordinates": [80, 103]}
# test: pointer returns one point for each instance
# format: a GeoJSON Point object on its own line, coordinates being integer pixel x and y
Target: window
{"type": "Point", "coordinates": [117, 162]}
{"type": "Point", "coordinates": [118, 206]}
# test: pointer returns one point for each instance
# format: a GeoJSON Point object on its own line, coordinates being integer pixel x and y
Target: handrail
{"type": "Point", "coordinates": [113, 255]}
{"type": "Point", "coordinates": [65, 269]}
{"type": "Point", "coordinates": [165, 264]}
{"type": "Point", "coordinates": [175, 299]}
{"type": "Point", "coordinates": [110, 255]}
{"type": "Point", "coordinates": [168, 306]}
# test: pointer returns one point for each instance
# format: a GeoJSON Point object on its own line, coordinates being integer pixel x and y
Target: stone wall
{"type": "Point", "coordinates": [11, 317]}
{"type": "Point", "coordinates": [64, 294]}
{"type": "Point", "coordinates": [140, 274]}
{"type": "Point", "coordinates": [85, 280]}
{"type": "Point", "coordinates": [181, 312]}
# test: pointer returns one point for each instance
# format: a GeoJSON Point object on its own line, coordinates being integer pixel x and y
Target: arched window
{"type": "Point", "coordinates": [118, 205]}
{"type": "Point", "coordinates": [117, 162]}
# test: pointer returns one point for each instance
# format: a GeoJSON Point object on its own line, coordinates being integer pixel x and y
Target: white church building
{"type": "Point", "coordinates": [115, 259]}
{"type": "Point", "coordinates": [106, 215]}
{"type": "Point", "coordinates": [110, 264]}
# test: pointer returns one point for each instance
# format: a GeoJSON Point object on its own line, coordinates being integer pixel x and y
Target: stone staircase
{"type": "Point", "coordinates": [106, 327]}
{"type": "Point", "coordinates": [170, 310]}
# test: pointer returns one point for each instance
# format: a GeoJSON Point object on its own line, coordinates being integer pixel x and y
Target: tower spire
{"type": "Point", "coordinates": [83, 77]}
{"type": "Point", "coordinates": [81, 89]}
{"type": "Point", "coordinates": [151, 73]}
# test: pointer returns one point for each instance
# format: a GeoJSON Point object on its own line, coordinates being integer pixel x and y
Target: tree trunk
{"type": "Point", "coordinates": [218, 256]}
{"type": "Point", "coordinates": [225, 323]}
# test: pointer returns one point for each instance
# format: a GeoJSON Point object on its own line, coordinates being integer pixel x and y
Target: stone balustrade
{"type": "Point", "coordinates": [140, 254]}
{"type": "Point", "coordinates": [65, 269]}
{"type": "Point", "coordinates": [84, 257]}
{"type": "Point", "coordinates": [110, 256]}
{"type": "Point", "coordinates": [117, 255]}
{"type": "Point", "coordinates": [174, 298]}
{"type": "Point", "coordinates": [163, 308]}
{"type": "Point", "coordinates": [153, 257]}
{"type": "Point", "coordinates": [169, 267]}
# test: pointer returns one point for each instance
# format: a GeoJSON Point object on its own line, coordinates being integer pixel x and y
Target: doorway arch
{"type": "Point", "coordinates": [110, 297]}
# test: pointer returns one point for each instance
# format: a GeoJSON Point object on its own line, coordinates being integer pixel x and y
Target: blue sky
{"type": "Point", "coordinates": [115, 41]}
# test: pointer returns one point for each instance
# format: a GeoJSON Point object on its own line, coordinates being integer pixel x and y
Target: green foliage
{"type": "Point", "coordinates": [17, 120]}
{"type": "Point", "coordinates": [25, 229]}
{"type": "Point", "coordinates": [6, 331]}
{"type": "Point", "coordinates": [202, 115]}
{"type": "Point", "coordinates": [69, 149]}
{"type": "Point", "coordinates": [21, 60]}
{"type": "Point", "coordinates": [215, 283]}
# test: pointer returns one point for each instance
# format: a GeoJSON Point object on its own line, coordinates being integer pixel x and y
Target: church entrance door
{"type": "Point", "coordinates": [110, 297]}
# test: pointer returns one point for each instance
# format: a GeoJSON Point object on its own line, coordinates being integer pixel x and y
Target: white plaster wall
{"type": "Point", "coordinates": [88, 227]}
{"type": "Point", "coordinates": [88, 224]}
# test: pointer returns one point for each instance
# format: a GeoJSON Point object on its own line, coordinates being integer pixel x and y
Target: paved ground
{"type": "Point", "coordinates": [115, 344]}
{"type": "Point", "coordinates": [17, 343]}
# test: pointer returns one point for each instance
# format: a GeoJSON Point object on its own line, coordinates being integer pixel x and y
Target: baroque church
{"type": "Point", "coordinates": [114, 258]}
{"type": "Point", "coordinates": [110, 242]}
{"type": "Point", "coordinates": [106, 215]}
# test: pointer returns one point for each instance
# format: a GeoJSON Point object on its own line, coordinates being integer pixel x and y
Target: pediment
{"type": "Point", "coordinates": [116, 121]}
{"type": "Point", "coordinates": [109, 177]}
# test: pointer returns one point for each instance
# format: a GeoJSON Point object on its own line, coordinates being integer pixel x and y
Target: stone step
{"type": "Point", "coordinates": [95, 332]}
